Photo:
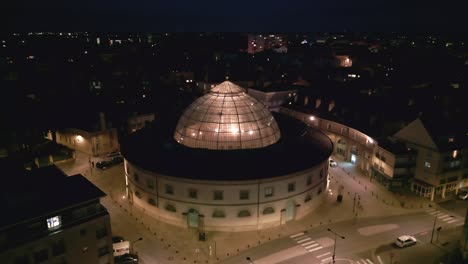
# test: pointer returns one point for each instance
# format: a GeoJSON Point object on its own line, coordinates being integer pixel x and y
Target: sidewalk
{"type": "Point", "coordinates": [179, 245]}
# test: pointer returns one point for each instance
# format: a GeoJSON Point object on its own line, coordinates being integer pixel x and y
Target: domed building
{"type": "Point", "coordinates": [230, 165]}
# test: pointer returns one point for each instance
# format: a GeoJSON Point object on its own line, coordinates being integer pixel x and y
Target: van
{"type": "Point", "coordinates": [463, 194]}
{"type": "Point", "coordinates": [121, 248]}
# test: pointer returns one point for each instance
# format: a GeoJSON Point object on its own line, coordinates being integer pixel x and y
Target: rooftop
{"type": "Point", "coordinates": [32, 194]}
{"type": "Point", "coordinates": [299, 148]}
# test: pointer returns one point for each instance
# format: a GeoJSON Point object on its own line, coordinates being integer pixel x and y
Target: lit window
{"type": "Point", "coordinates": [54, 222]}
{"type": "Point", "coordinates": [427, 164]}
{"type": "Point", "coordinates": [455, 154]}
{"type": "Point", "coordinates": [268, 191]}
{"type": "Point", "coordinates": [451, 139]}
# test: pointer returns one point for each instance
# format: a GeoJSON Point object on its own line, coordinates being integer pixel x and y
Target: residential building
{"type": "Point", "coordinates": [52, 218]}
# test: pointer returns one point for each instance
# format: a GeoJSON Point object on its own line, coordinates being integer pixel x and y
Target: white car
{"type": "Point", "coordinates": [333, 163]}
{"type": "Point", "coordinates": [463, 194]}
{"type": "Point", "coordinates": [405, 241]}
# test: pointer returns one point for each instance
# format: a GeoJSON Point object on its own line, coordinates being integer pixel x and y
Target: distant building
{"type": "Point", "coordinates": [137, 122]}
{"type": "Point", "coordinates": [259, 43]}
{"type": "Point", "coordinates": [441, 160]}
{"type": "Point", "coordinates": [93, 142]}
{"type": "Point", "coordinates": [53, 219]}
{"type": "Point", "coordinates": [344, 61]}
{"type": "Point", "coordinates": [275, 98]}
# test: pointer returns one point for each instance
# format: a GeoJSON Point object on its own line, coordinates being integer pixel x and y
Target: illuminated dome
{"type": "Point", "coordinates": [227, 118]}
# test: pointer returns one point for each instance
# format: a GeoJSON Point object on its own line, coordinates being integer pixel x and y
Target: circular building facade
{"type": "Point", "coordinates": [230, 165]}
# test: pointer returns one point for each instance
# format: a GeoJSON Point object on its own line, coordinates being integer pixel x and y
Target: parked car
{"type": "Point", "coordinates": [117, 239]}
{"type": "Point", "coordinates": [126, 259]}
{"type": "Point", "coordinates": [117, 160]}
{"type": "Point", "coordinates": [333, 163]}
{"type": "Point", "coordinates": [114, 154]}
{"type": "Point", "coordinates": [405, 241]}
{"type": "Point", "coordinates": [104, 164]}
{"type": "Point", "coordinates": [463, 194]}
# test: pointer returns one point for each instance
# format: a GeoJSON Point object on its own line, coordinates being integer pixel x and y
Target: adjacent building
{"type": "Point", "coordinates": [53, 219]}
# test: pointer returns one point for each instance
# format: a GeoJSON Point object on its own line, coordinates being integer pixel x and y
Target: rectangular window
{"type": "Point", "coordinates": [103, 251]}
{"type": "Point", "coordinates": [54, 222]}
{"type": "Point", "coordinates": [192, 193]}
{"type": "Point", "coordinates": [244, 194]}
{"type": "Point", "coordinates": [101, 232]}
{"type": "Point", "coordinates": [268, 191]}
{"type": "Point", "coordinates": [427, 164]}
{"type": "Point", "coordinates": [309, 180]}
{"type": "Point", "coordinates": [150, 184]}
{"type": "Point", "coordinates": [291, 187]}
{"type": "Point", "coordinates": [169, 189]}
{"type": "Point", "coordinates": [58, 248]}
{"type": "Point", "coordinates": [22, 260]}
{"type": "Point", "coordinates": [41, 256]}
{"type": "Point", "coordinates": [218, 195]}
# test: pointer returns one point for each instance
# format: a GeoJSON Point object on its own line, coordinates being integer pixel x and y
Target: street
{"type": "Point", "coordinates": [370, 222]}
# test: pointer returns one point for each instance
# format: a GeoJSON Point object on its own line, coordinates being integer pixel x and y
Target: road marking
{"type": "Point", "coordinates": [296, 235]}
{"type": "Point", "coordinates": [443, 216]}
{"type": "Point", "coordinates": [379, 259]}
{"type": "Point", "coordinates": [303, 240]}
{"type": "Point", "coordinates": [439, 214]}
{"type": "Point", "coordinates": [300, 237]}
{"type": "Point", "coordinates": [307, 243]}
{"type": "Point", "coordinates": [369, 261]}
{"type": "Point", "coordinates": [323, 255]}
{"type": "Point", "coordinates": [326, 259]}
{"type": "Point", "coordinates": [433, 213]}
{"type": "Point", "coordinates": [314, 249]}
{"type": "Point", "coordinates": [430, 210]}
{"type": "Point", "coordinates": [311, 246]}
{"type": "Point", "coordinates": [451, 221]}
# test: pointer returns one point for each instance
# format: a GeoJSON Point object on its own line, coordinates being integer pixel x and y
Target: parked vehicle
{"type": "Point", "coordinates": [104, 164]}
{"type": "Point", "coordinates": [463, 194]}
{"type": "Point", "coordinates": [126, 259]}
{"type": "Point", "coordinates": [117, 160]}
{"type": "Point", "coordinates": [333, 163]}
{"type": "Point", "coordinates": [114, 154]}
{"type": "Point", "coordinates": [121, 248]}
{"type": "Point", "coordinates": [405, 241]}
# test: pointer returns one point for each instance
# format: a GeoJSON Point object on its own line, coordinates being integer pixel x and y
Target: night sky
{"type": "Point", "coordinates": [287, 15]}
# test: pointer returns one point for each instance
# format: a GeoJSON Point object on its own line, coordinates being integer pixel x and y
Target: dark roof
{"type": "Point", "coordinates": [395, 147]}
{"type": "Point", "coordinates": [441, 129]}
{"type": "Point", "coordinates": [40, 192]}
{"type": "Point", "coordinates": [299, 148]}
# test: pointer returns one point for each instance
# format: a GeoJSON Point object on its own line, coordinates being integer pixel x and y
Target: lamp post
{"type": "Point", "coordinates": [433, 227]}
{"type": "Point", "coordinates": [334, 244]}
{"type": "Point", "coordinates": [132, 242]}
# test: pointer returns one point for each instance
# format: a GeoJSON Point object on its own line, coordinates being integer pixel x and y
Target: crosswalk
{"type": "Point", "coordinates": [306, 242]}
{"type": "Point", "coordinates": [442, 216]}
{"type": "Point", "coordinates": [311, 246]}
{"type": "Point", "coordinates": [364, 261]}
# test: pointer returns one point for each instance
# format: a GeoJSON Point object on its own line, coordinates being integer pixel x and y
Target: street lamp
{"type": "Point", "coordinates": [131, 243]}
{"type": "Point", "coordinates": [334, 244]}
{"type": "Point", "coordinates": [433, 227]}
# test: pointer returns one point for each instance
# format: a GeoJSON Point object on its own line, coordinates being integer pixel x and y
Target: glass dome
{"type": "Point", "coordinates": [227, 118]}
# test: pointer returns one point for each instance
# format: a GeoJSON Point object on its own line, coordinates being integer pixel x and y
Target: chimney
{"type": "Point", "coordinates": [102, 121]}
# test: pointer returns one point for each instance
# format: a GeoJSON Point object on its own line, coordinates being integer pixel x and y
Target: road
{"type": "Point", "coordinates": [368, 239]}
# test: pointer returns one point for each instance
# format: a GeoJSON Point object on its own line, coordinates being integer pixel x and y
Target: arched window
{"type": "Point", "coordinates": [319, 190]}
{"type": "Point", "coordinates": [307, 198]}
{"type": "Point", "coordinates": [170, 208]}
{"type": "Point", "coordinates": [268, 210]}
{"type": "Point", "coordinates": [218, 213]}
{"type": "Point", "coordinates": [243, 213]}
